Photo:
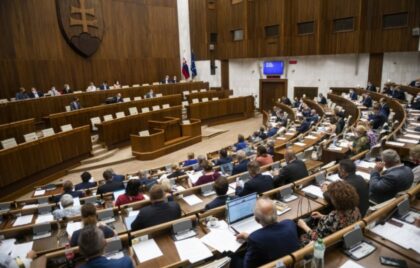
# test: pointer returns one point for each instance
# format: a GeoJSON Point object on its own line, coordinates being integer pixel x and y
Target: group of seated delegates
{"type": "Point", "coordinates": [294, 170]}
{"type": "Point", "coordinates": [379, 116]}
{"type": "Point", "coordinates": [394, 92]}
{"type": "Point", "coordinates": [168, 80]}
{"type": "Point", "coordinates": [35, 94]}
{"type": "Point", "coordinates": [310, 117]}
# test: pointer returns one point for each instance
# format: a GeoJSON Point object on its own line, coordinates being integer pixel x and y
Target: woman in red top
{"type": "Point", "coordinates": [131, 195]}
{"type": "Point", "coordinates": [263, 158]}
{"type": "Point", "coordinates": [208, 174]}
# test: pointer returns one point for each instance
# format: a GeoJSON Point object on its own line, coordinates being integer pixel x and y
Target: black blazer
{"type": "Point", "coordinates": [85, 185]}
{"type": "Point", "coordinates": [110, 186]}
{"type": "Point", "coordinates": [217, 202]}
{"type": "Point", "coordinates": [155, 214]}
{"type": "Point", "coordinates": [259, 184]}
{"type": "Point", "coordinates": [294, 171]}
{"type": "Point", "coordinates": [240, 167]}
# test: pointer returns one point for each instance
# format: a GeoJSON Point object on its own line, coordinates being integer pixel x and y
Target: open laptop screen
{"type": "Point", "coordinates": [241, 208]}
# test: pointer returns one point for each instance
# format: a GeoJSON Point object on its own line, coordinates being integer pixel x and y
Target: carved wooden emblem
{"type": "Point", "coordinates": [82, 24]}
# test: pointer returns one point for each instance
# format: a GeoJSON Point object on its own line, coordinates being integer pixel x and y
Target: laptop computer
{"type": "Point", "coordinates": [183, 230]}
{"type": "Point", "coordinates": [240, 214]}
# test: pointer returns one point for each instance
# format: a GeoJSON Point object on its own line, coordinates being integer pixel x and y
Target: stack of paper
{"type": "Point", "coordinates": [39, 192]}
{"type": "Point", "coordinates": [22, 220]}
{"type": "Point", "coordinates": [194, 176]}
{"type": "Point", "coordinates": [315, 190]}
{"type": "Point", "coordinates": [366, 176]}
{"type": "Point", "coordinates": [7, 245]}
{"type": "Point", "coordinates": [334, 177]}
{"type": "Point", "coordinates": [192, 200]}
{"type": "Point", "coordinates": [351, 264]}
{"type": "Point", "coordinates": [44, 218]}
{"type": "Point", "coordinates": [281, 138]}
{"type": "Point", "coordinates": [289, 133]}
{"type": "Point", "coordinates": [147, 250]}
{"type": "Point", "coordinates": [311, 137]}
{"type": "Point", "coordinates": [408, 141]}
{"type": "Point", "coordinates": [21, 250]}
{"type": "Point", "coordinates": [300, 144]}
{"type": "Point", "coordinates": [221, 240]}
{"type": "Point", "coordinates": [192, 249]}
{"type": "Point", "coordinates": [30, 206]}
{"type": "Point", "coordinates": [72, 227]}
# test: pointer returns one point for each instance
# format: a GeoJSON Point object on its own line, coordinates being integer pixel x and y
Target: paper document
{"type": "Point", "coordinates": [351, 264]}
{"type": "Point", "coordinates": [407, 236]}
{"type": "Point", "coordinates": [399, 144]}
{"type": "Point", "coordinates": [313, 189]}
{"type": "Point", "coordinates": [72, 227]}
{"type": "Point", "coordinates": [366, 176]}
{"type": "Point", "coordinates": [365, 164]}
{"type": "Point", "coordinates": [147, 250]}
{"type": "Point", "coordinates": [22, 220]}
{"type": "Point", "coordinates": [195, 176]}
{"type": "Point", "coordinates": [300, 144]}
{"type": "Point", "coordinates": [192, 200]}
{"type": "Point", "coordinates": [415, 124]}
{"type": "Point", "coordinates": [221, 240]}
{"type": "Point", "coordinates": [413, 136]}
{"type": "Point", "coordinates": [39, 192]}
{"type": "Point", "coordinates": [408, 141]}
{"type": "Point", "coordinates": [44, 218]}
{"type": "Point", "coordinates": [334, 148]}
{"type": "Point", "coordinates": [289, 133]}
{"type": "Point", "coordinates": [281, 138]}
{"type": "Point", "coordinates": [128, 221]}
{"type": "Point", "coordinates": [7, 245]}
{"type": "Point", "coordinates": [412, 131]}
{"type": "Point", "coordinates": [30, 206]}
{"type": "Point", "coordinates": [192, 249]}
{"type": "Point", "coordinates": [334, 177]}
{"type": "Point", "coordinates": [21, 250]}
{"type": "Point", "coordinates": [311, 137]}
{"type": "Point", "coordinates": [230, 191]}
{"type": "Point", "coordinates": [133, 213]}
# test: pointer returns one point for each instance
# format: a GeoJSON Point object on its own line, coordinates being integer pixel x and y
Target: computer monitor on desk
{"type": "Point", "coordinates": [240, 214]}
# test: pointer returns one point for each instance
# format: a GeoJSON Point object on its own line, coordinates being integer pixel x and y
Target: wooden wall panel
{"type": "Point", "coordinates": [198, 28]}
{"type": "Point", "coordinates": [140, 44]}
{"type": "Point", "coordinates": [375, 68]}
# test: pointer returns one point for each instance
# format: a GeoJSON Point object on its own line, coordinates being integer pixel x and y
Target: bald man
{"type": "Point", "coordinates": [293, 171]}
{"type": "Point", "coordinates": [274, 240]}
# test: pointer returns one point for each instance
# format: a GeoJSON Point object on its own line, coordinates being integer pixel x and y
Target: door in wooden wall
{"type": "Point", "coordinates": [270, 91]}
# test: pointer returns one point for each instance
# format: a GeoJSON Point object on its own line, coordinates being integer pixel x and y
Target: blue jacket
{"type": "Point", "coordinates": [240, 145]}
{"type": "Point", "coordinates": [259, 184]}
{"type": "Point", "coordinates": [85, 185]}
{"type": "Point", "coordinates": [190, 162]}
{"type": "Point", "coordinates": [385, 110]}
{"type": "Point", "coordinates": [270, 243]}
{"type": "Point", "coordinates": [222, 161]}
{"type": "Point", "coordinates": [367, 102]}
{"type": "Point", "coordinates": [118, 178]}
{"type": "Point", "coordinates": [353, 96]}
{"type": "Point", "coordinates": [240, 167]}
{"type": "Point", "coordinates": [378, 120]}
{"type": "Point", "coordinates": [304, 126]}
{"type": "Point", "coordinates": [272, 132]}
{"type": "Point", "coordinates": [103, 262]}
{"type": "Point", "coordinates": [323, 100]}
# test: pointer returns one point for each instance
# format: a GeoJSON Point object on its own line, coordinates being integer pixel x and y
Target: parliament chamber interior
{"type": "Point", "coordinates": [210, 133]}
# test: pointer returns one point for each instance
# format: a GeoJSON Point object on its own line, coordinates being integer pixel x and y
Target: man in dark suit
{"type": "Point", "coordinates": [86, 183]}
{"type": "Point", "coordinates": [158, 212]}
{"type": "Point", "coordinates": [367, 100]}
{"type": "Point", "coordinates": [35, 94]}
{"type": "Point", "coordinates": [75, 104]}
{"type": "Point", "coordinates": [257, 184]}
{"type": "Point", "coordinates": [66, 89]}
{"type": "Point", "coordinates": [347, 172]}
{"type": "Point", "coordinates": [167, 80]}
{"type": "Point", "coordinates": [306, 124]}
{"type": "Point", "coordinates": [116, 177]}
{"type": "Point", "coordinates": [286, 101]}
{"type": "Point", "coordinates": [149, 94]}
{"type": "Point", "coordinates": [398, 94]}
{"type": "Point", "coordinates": [377, 118]}
{"type": "Point", "coordinates": [273, 130]}
{"type": "Point", "coordinates": [68, 189]}
{"type": "Point", "coordinates": [273, 241]}
{"type": "Point", "coordinates": [110, 184]}
{"type": "Point", "coordinates": [322, 99]}
{"type": "Point", "coordinates": [242, 163]}
{"type": "Point", "coordinates": [396, 178]}
{"type": "Point", "coordinates": [118, 98]}
{"type": "Point", "coordinates": [353, 95]}
{"type": "Point", "coordinates": [384, 107]}
{"type": "Point", "coordinates": [293, 171]}
{"type": "Point", "coordinates": [221, 187]}
{"type": "Point", "coordinates": [313, 117]}
{"type": "Point", "coordinates": [370, 87]}
{"type": "Point", "coordinates": [104, 86]}
{"type": "Point", "coordinates": [22, 95]}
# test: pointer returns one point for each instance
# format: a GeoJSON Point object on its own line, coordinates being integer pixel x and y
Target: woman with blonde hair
{"type": "Point", "coordinates": [361, 143]}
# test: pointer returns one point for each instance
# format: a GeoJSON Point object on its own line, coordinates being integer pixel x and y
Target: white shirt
{"type": "Point", "coordinates": [54, 92]}
{"type": "Point", "coordinates": [35, 95]}
{"type": "Point", "coordinates": [91, 89]}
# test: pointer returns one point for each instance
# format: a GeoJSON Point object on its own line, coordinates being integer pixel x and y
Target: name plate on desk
{"type": "Point", "coordinates": [393, 143]}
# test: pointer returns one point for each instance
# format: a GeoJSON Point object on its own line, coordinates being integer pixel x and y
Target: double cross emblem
{"type": "Point", "coordinates": [84, 20]}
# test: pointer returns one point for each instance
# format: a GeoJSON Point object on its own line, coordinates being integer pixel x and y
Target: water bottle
{"type": "Point", "coordinates": [319, 250]}
{"type": "Point", "coordinates": [69, 256]}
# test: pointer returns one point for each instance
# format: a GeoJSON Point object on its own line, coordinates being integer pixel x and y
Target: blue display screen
{"type": "Point", "coordinates": [273, 67]}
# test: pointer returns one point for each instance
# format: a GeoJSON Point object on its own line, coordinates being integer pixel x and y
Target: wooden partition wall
{"type": "Point", "coordinates": [17, 130]}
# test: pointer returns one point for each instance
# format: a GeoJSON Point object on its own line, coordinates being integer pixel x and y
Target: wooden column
{"type": "Point", "coordinates": [225, 74]}
{"type": "Point", "coordinates": [375, 68]}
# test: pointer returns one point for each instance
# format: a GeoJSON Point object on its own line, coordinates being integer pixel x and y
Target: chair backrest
{"type": "Point", "coordinates": [204, 99]}
{"type": "Point", "coordinates": [166, 106]}
{"type": "Point", "coordinates": [195, 101]}
{"type": "Point", "coordinates": [94, 121]}
{"type": "Point", "coordinates": [155, 108]}
{"type": "Point", "coordinates": [108, 117]}
{"type": "Point", "coordinates": [203, 90]}
{"type": "Point", "coordinates": [126, 99]}
{"type": "Point", "coordinates": [145, 84]}
{"type": "Point", "coordinates": [194, 91]}
{"type": "Point", "coordinates": [144, 133]}
{"type": "Point", "coordinates": [136, 85]}
{"type": "Point", "coordinates": [125, 86]}
{"type": "Point", "coordinates": [133, 110]}
{"type": "Point", "coordinates": [68, 109]}
{"type": "Point", "coordinates": [155, 83]}
{"type": "Point", "coordinates": [67, 127]}
{"type": "Point", "coordinates": [120, 114]}
{"type": "Point", "coordinates": [137, 98]}
{"type": "Point", "coordinates": [185, 103]}
{"type": "Point", "coordinates": [215, 98]}
{"type": "Point", "coordinates": [159, 95]}
{"type": "Point", "coordinates": [48, 132]}
{"type": "Point", "coordinates": [8, 143]}
{"type": "Point", "coordinates": [30, 137]}
{"type": "Point", "coordinates": [145, 110]}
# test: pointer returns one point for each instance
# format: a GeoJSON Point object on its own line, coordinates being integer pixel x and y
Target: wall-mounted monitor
{"type": "Point", "coordinates": [273, 68]}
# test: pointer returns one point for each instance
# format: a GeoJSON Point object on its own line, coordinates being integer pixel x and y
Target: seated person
{"type": "Point", "coordinates": [75, 104]}
{"type": "Point", "coordinates": [273, 130]}
{"type": "Point", "coordinates": [367, 100]}
{"type": "Point", "coordinates": [416, 102]}
{"type": "Point", "coordinates": [361, 143]}
{"type": "Point", "coordinates": [241, 144]}
{"type": "Point", "coordinates": [257, 184]}
{"type": "Point", "coordinates": [370, 87]}
{"type": "Point", "coordinates": [91, 87]}
{"type": "Point", "coordinates": [263, 158]}
{"type": "Point", "coordinates": [242, 164]}
{"type": "Point", "coordinates": [294, 170]}
{"type": "Point", "coordinates": [332, 127]}
{"type": "Point", "coordinates": [158, 212]}
{"type": "Point", "coordinates": [415, 160]}
{"type": "Point", "coordinates": [398, 94]}
{"type": "Point", "coordinates": [54, 92]}
{"type": "Point", "coordinates": [167, 80]}
{"type": "Point", "coordinates": [116, 177]}
{"type": "Point", "coordinates": [273, 241]}
{"type": "Point", "coordinates": [110, 185]}
{"type": "Point", "coordinates": [89, 218]}
{"type": "Point", "coordinates": [377, 118]}
{"type": "Point", "coordinates": [221, 187]}
{"type": "Point", "coordinates": [297, 103]}
{"type": "Point", "coordinates": [255, 137]}
{"type": "Point", "coordinates": [149, 94]}
{"type": "Point", "coordinates": [35, 94]}
{"type": "Point", "coordinates": [304, 126]}
{"type": "Point", "coordinates": [68, 209]}
{"type": "Point", "coordinates": [67, 89]}
{"type": "Point", "coordinates": [262, 134]}
{"type": "Point", "coordinates": [176, 172]}
{"type": "Point", "coordinates": [117, 85]}
{"type": "Point", "coordinates": [190, 161]}
{"type": "Point", "coordinates": [104, 86]}
{"type": "Point", "coordinates": [270, 147]}
{"type": "Point", "coordinates": [118, 98]}
{"type": "Point", "coordinates": [22, 94]}
{"type": "Point", "coordinates": [167, 189]}
{"type": "Point", "coordinates": [92, 244]}
{"type": "Point", "coordinates": [86, 183]}
{"type": "Point", "coordinates": [353, 95]}
{"type": "Point", "coordinates": [209, 175]}
{"type": "Point", "coordinates": [68, 189]}
{"type": "Point", "coordinates": [340, 125]}
{"type": "Point", "coordinates": [286, 100]}
{"type": "Point", "coordinates": [314, 117]}
{"type": "Point", "coordinates": [344, 200]}
{"type": "Point", "coordinates": [223, 158]}
{"type": "Point", "coordinates": [322, 99]}
{"type": "Point", "coordinates": [306, 111]}
{"type": "Point", "coordinates": [174, 80]}
{"type": "Point", "coordinates": [384, 107]}
{"type": "Point", "coordinates": [132, 193]}
{"type": "Point", "coordinates": [281, 118]}
{"type": "Point", "coordinates": [396, 178]}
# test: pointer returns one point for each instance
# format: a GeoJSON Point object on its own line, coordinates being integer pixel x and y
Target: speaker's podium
{"type": "Point", "coordinates": [164, 137]}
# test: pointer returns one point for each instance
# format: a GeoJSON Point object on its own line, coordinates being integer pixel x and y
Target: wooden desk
{"type": "Point", "coordinates": [329, 155]}
{"type": "Point", "coordinates": [297, 148]}
{"type": "Point", "coordinates": [17, 130]}
{"type": "Point", "coordinates": [191, 210]}
{"type": "Point", "coordinates": [221, 94]}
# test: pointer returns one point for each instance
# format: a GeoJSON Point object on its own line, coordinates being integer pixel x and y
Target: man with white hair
{"type": "Point", "coordinates": [396, 178]}
{"type": "Point", "coordinates": [274, 240]}
{"type": "Point", "coordinates": [67, 210]}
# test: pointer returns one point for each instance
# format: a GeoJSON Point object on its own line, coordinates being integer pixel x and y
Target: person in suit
{"type": "Point", "coordinates": [416, 102]}
{"type": "Point", "coordinates": [285, 100]}
{"type": "Point", "coordinates": [54, 92]}
{"type": "Point", "coordinates": [104, 86]}
{"type": "Point", "coordinates": [273, 130]}
{"type": "Point", "coordinates": [158, 212]}
{"type": "Point", "coordinates": [86, 182]}
{"type": "Point", "coordinates": [167, 80]}
{"type": "Point", "coordinates": [273, 241]}
{"type": "Point", "coordinates": [415, 161]}
{"type": "Point", "coordinates": [149, 94]}
{"type": "Point", "coordinates": [118, 98]}
{"type": "Point", "coordinates": [68, 189]}
{"type": "Point", "coordinates": [242, 165]}
{"type": "Point", "coordinates": [353, 95]}
{"type": "Point", "coordinates": [174, 80]}
{"type": "Point", "coordinates": [371, 87]}
{"type": "Point", "coordinates": [35, 94]}
{"type": "Point", "coordinates": [257, 184]}
{"type": "Point", "coordinates": [115, 177]}
{"type": "Point", "coordinates": [67, 210]}
{"type": "Point", "coordinates": [281, 119]}
{"type": "Point", "coordinates": [75, 104]}
{"type": "Point", "coordinates": [110, 185]}
{"type": "Point", "coordinates": [22, 94]}
{"type": "Point", "coordinates": [377, 118]}
{"type": "Point", "coordinates": [221, 187]}
{"type": "Point", "coordinates": [241, 144]}
{"type": "Point", "coordinates": [67, 89]}
{"type": "Point", "coordinates": [384, 107]}
{"type": "Point", "coordinates": [322, 99]}
{"type": "Point", "coordinates": [223, 158]}
{"type": "Point", "coordinates": [190, 160]}
{"type": "Point", "coordinates": [305, 110]}
{"type": "Point", "coordinates": [398, 94]}
{"type": "Point", "coordinates": [91, 87]}
{"type": "Point", "coordinates": [396, 178]}
{"type": "Point", "coordinates": [314, 117]}
{"type": "Point", "coordinates": [92, 245]}
{"type": "Point", "coordinates": [294, 170]}
{"type": "Point", "coordinates": [347, 172]}
{"type": "Point", "coordinates": [304, 126]}
{"type": "Point", "coordinates": [367, 100]}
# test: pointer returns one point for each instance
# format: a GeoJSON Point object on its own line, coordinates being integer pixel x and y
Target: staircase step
{"type": "Point", "coordinates": [100, 157]}
{"type": "Point", "coordinates": [99, 151]}
{"type": "Point", "coordinates": [96, 146]}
